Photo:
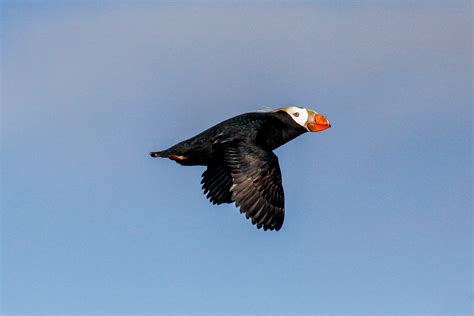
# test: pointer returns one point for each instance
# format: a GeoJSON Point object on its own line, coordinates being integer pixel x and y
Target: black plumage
{"type": "Point", "coordinates": [241, 165]}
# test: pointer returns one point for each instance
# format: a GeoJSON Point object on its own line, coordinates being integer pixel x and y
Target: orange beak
{"type": "Point", "coordinates": [317, 122]}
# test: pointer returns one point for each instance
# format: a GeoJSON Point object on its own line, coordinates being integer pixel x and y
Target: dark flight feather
{"type": "Point", "coordinates": [216, 182]}
{"type": "Point", "coordinates": [257, 186]}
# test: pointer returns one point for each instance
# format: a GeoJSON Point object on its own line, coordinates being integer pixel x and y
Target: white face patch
{"type": "Point", "coordinates": [299, 115]}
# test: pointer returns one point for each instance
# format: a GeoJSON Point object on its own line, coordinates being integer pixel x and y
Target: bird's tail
{"type": "Point", "coordinates": [156, 154]}
{"type": "Point", "coordinates": [181, 159]}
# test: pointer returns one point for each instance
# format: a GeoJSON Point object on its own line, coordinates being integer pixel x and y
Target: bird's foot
{"type": "Point", "coordinates": [177, 158]}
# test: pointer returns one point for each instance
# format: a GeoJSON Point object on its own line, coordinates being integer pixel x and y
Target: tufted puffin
{"type": "Point", "coordinates": [241, 165]}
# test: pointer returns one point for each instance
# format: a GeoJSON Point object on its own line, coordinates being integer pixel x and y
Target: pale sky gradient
{"type": "Point", "coordinates": [378, 208]}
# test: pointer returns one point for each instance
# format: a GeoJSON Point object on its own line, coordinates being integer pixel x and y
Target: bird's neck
{"type": "Point", "coordinates": [280, 129]}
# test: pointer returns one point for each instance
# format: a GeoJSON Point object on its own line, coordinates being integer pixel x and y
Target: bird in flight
{"type": "Point", "coordinates": [241, 165]}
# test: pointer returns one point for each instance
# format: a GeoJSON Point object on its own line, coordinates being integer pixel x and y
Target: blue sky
{"type": "Point", "coordinates": [378, 208]}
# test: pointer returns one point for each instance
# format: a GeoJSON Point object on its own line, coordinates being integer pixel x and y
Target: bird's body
{"type": "Point", "coordinates": [241, 165]}
{"type": "Point", "coordinates": [260, 128]}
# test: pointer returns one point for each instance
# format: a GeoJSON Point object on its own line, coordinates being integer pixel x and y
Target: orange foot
{"type": "Point", "coordinates": [177, 158]}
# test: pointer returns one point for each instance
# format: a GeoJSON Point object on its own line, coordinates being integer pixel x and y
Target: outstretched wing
{"type": "Point", "coordinates": [256, 184]}
{"type": "Point", "coordinates": [216, 182]}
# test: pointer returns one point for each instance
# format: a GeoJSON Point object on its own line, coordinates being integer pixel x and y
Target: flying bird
{"type": "Point", "coordinates": [241, 165]}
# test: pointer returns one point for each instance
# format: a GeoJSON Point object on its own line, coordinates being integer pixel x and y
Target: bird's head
{"type": "Point", "coordinates": [311, 120]}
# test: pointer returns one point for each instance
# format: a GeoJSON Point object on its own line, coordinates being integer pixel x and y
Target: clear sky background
{"type": "Point", "coordinates": [378, 208]}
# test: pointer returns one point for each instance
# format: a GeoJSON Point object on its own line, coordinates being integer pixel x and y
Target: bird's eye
{"type": "Point", "coordinates": [296, 114]}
